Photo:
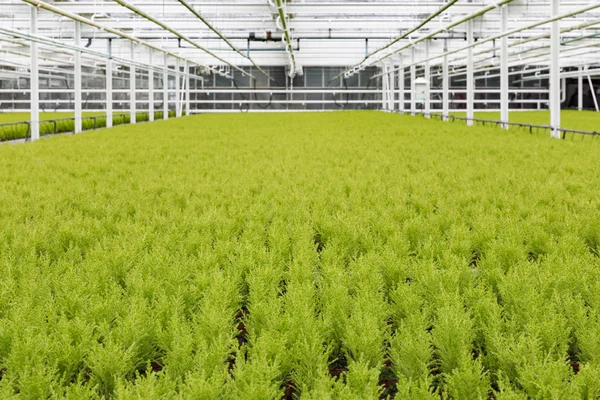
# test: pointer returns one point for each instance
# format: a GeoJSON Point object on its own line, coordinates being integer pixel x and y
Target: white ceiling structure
{"type": "Point", "coordinates": [342, 33]}
{"type": "Point", "coordinates": [390, 39]}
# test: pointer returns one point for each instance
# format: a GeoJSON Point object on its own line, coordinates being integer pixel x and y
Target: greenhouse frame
{"type": "Point", "coordinates": [274, 55]}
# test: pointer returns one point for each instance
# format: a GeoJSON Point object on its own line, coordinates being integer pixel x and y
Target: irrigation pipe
{"type": "Point", "coordinates": [219, 34]}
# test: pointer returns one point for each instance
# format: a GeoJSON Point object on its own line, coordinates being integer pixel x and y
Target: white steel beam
{"type": "Point", "coordinates": [413, 87]}
{"type": "Point", "coordinates": [177, 89]}
{"type": "Point", "coordinates": [166, 27]}
{"type": "Point", "coordinates": [132, 89]}
{"type": "Point", "coordinates": [384, 89]}
{"type": "Point", "coordinates": [427, 107]}
{"type": "Point", "coordinates": [109, 88]}
{"type": "Point", "coordinates": [77, 17]}
{"type": "Point", "coordinates": [445, 84]}
{"type": "Point", "coordinates": [593, 92]}
{"type": "Point", "coordinates": [433, 33]}
{"type": "Point", "coordinates": [234, 48]}
{"type": "Point", "coordinates": [504, 116]}
{"type": "Point", "coordinates": [470, 80]}
{"type": "Point", "coordinates": [166, 88]}
{"type": "Point", "coordinates": [356, 67]}
{"type": "Point", "coordinates": [327, 9]}
{"type": "Point", "coordinates": [34, 99]}
{"type": "Point", "coordinates": [187, 88]}
{"type": "Point", "coordinates": [580, 89]}
{"type": "Point", "coordinates": [555, 71]}
{"type": "Point", "coordinates": [537, 22]}
{"type": "Point", "coordinates": [150, 88]}
{"type": "Point", "coordinates": [401, 84]}
{"type": "Point", "coordinates": [392, 79]}
{"type": "Point", "coordinates": [77, 83]}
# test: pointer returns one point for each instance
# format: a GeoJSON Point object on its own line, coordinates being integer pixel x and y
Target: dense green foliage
{"type": "Point", "coordinates": [346, 255]}
{"type": "Point", "coordinates": [59, 122]}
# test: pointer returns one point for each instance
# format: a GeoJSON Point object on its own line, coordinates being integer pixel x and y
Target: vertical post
{"type": "Point", "coordinates": [555, 72]}
{"type": "Point", "coordinates": [150, 88]}
{"type": "Point", "coordinates": [77, 84]}
{"type": "Point", "coordinates": [445, 84]}
{"type": "Point", "coordinates": [580, 89]}
{"type": "Point", "coordinates": [504, 116]}
{"type": "Point", "coordinates": [384, 88]}
{"type": "Point", "coordinates": [187, 88]}
{"type": "Point", "coordinates": [177, 89]}
{"type": "Point", "coordinates": [34, 93]}
{"type": "Point", "coordinates": [401, 85]}
{"type": "Point", "coordinates": [109, 87]}
{"type": "Point", "coordinates": [392, 78]}
{"type": "Point", "coordinates": [470, 80]}
{"type": "Point", "coordinates": [132, 93]}
{"type": "Point", "coordinates": [428, 79]}
{"type": "Point", "coordinates": [593, 92]}
{"type": "Point", "coordinates": [413, 88]}
{"type": "Point", "coordinates": [166, 88]}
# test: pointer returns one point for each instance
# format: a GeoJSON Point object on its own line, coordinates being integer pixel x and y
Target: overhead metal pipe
{"type": "Point", "coordinates": [221, 36]}
{"type": "Point", "coordinates": [60, 44]}
{"type": "Point", "coordinates": [479, 42]}
{"type": "Point", "coordinates": [294, 67]}
{"type": "Point", "coordinates": [405, 35]}
{"type": "Point", "coordinates": [527, 59]}
{"type": "Point", "coordinates": [538, 37]}
{"type": "Point", "coordinates": [87, 21]}
{"type": "Point", "coordinates": [166, 27]}
{"type": "Point", "coordinates": [436, 32]}
{"type": "Point", "coordinates": [488, 66]}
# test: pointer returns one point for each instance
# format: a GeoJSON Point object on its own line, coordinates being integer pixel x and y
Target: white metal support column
{"type": "Point", "coordinates": [150, 88]}
{"type": "Point", "coordinates": [428, 79]}
{"type": "Point", "coordinates": [504, 116]}
{"type": "Point", "coordinates": [77, 84]}
{"type": "Point", "coordinates": [385, 88]}
{"type": "Point", "coordinates": [593, 93]}
{"type": "Point", "coordinates": [177, 89]}
{"type": "Point", "coordinates": [384, 81]}
{"type": "Point", "coordinates": [580, 89]}
{"type": "Point", "coordinates": [34, 99]}
{"type": "Point", "coordinates": [187, 88]}
{"type": "Point", "coordinates": [413, 88]}
{"type": "Point", "coordinates": [166, 88]}
{"type": "Point", "coordinates": [470, 81]}
{"type": "Point", "coordinates": [132, 90]}
{"type": "Point", "coordinates": [555, 72]}
{"type": "Point", "coordinates": [109, 87]}
{"type": "Point", "coordinates": [393, 83]}
{"type": "Point", "coordinates": [401, 85]}
{"type": "Point", "coordinates": [445, 84]}
{"type": "Point", "coordinates": [392, 80]}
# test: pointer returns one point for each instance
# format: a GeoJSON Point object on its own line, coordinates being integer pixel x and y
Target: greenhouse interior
{"type": "Point", "coordinates": [299, 199]}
